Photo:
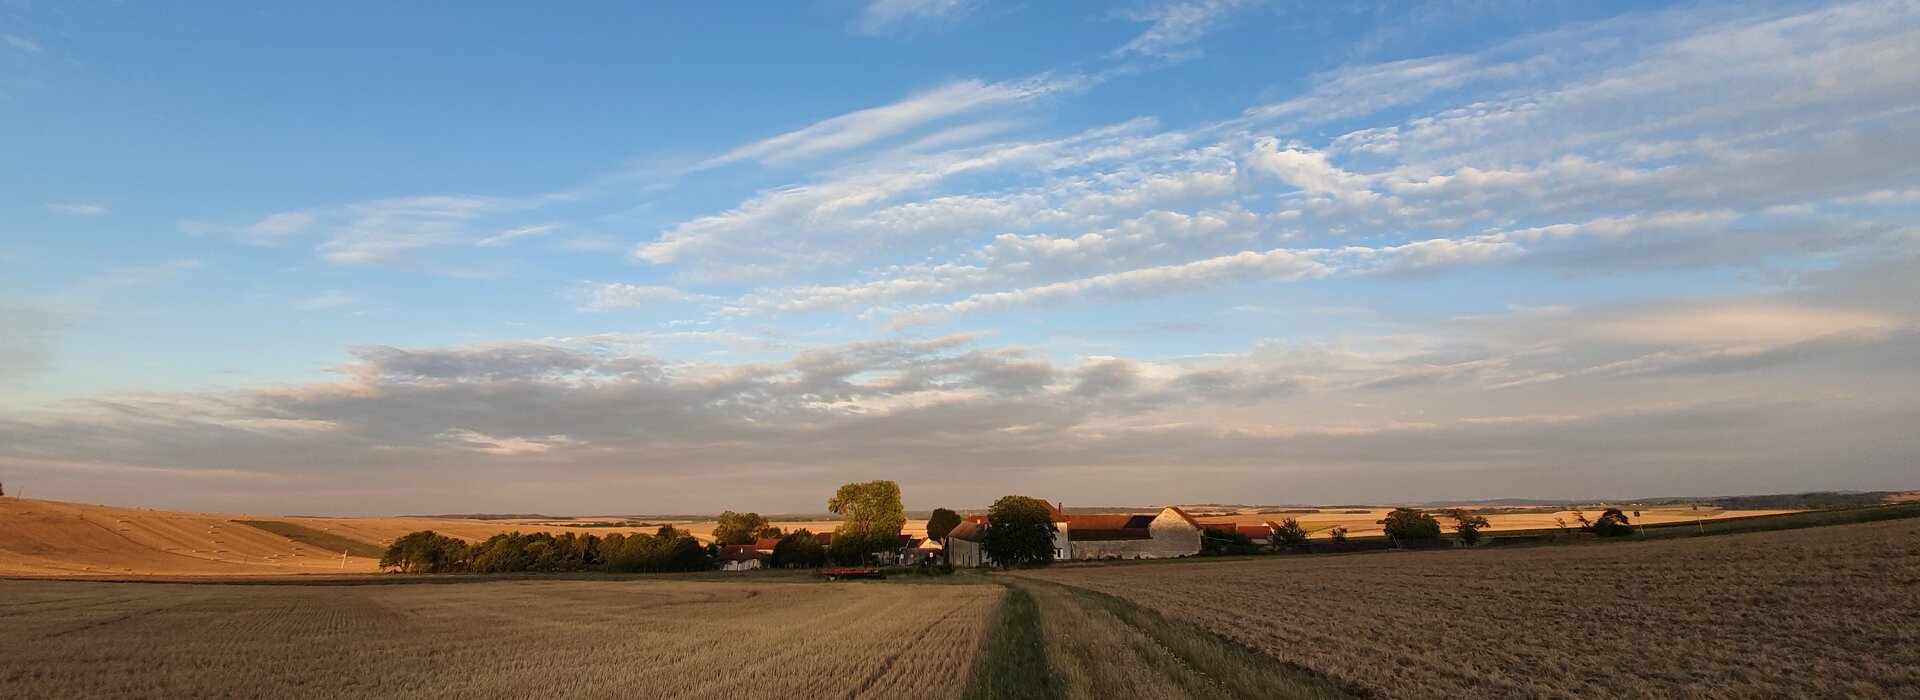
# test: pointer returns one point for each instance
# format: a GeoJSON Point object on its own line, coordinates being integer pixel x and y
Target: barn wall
{"type": "Point", "coordinates": [1173, 536]}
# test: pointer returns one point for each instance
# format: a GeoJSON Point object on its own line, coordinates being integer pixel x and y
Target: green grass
{"type": "Point", "coordinates": [319, 539]}
{"type": "Point", "coordinates": [1013, 654]}
{"type": "Point", "coordinates": [1226, 668]}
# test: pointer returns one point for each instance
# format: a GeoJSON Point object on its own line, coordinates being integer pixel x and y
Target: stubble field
{"type": "Point", "coordinates": [1822, 612]}
{"type": "Point", "coordinates": [576, 639]}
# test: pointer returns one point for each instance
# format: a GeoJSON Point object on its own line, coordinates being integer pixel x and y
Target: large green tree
{"type": "Point", "coordinates": [942, 521]}
{"type": "Point", "coordinates": [1019, 532]}
{"type": "Point", "coordinates": [871, 517]}
{"type": "Point", "coordinates": [1411, 524]}
{"type": "Point", "coordinates": [739, 528]}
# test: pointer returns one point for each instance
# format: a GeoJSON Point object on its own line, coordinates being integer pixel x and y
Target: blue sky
{"type": "Point", "coordinates": [628, 259]}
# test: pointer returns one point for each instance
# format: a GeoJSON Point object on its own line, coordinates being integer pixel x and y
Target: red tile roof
{"type": "Point", "coordinates": [766, 543]}
{"type": "Point", "coordinates": [1108, 534]}
{"type": "Point", "coordinates": [1106, 521]}
{"type": "Point", "coordinates": [740, 552]}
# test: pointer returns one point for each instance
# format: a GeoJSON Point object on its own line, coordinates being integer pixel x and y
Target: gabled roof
{"type": "Point", "coordinates": [969, 530]}
{"type": "Point", "coordinates": [1059, 516]}
{"type": "Point", "coordinates": [1183, 515]}
{"type": "Point", "coordinates": [766, 543]}
{"type": "Point", "coordinates": [740, 552]}
{"type": "Point", "coordinates": [823, 537]}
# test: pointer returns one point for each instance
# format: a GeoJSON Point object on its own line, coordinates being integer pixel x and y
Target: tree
{"type": "Point", "coordinates": [942, 521]}
{"type": "Point", "coordinates": [738, 528]}
{"type": "Point", "coordinates": [1467, 524]}
{"type": "Point", "coordinates": [425, 552]}
{"type": "Point", "coordinates": [1338, 534]}
{"type": "Point", "coordinates": [1612, 523]}
{"type": "Point", "coordinates": [1019, 532]}
{"type": "Point", "coordinates": [1411, 524]}
{"type": "Point", "coordinates": [871, 519]}
{"type": "Point", "coordinates": [799, 549]}
{"type": "Point", "coordinates": [1290, 532]}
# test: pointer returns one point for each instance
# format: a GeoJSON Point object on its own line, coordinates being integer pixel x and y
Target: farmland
{"type": "Point", "coordinates": [1827, 611]}
{"type": "Point", "coordinates": [605, 638]}
{"type": "Point", "coordinates": [54, 538]}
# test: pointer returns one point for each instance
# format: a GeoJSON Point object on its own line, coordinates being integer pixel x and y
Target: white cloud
{"type": "Point", "coordinates": [76, 208]}
{"type": "Point", "coordinates": [1274, 265]}
{"type": "Point", "coordinates": [328, 299]}
{"type": "Point", "coordinates": [614, 296]}
{"type": "Point", "coordinates": [864, 127]}
{"type": "Point", "coordinates": [503, 237]}
{"type": "Point", "coordinates": [892, 17]}
{"type": "Point", "coordinates": [1177, 24]}
{"type": "Point", "coordinates": [21, 43]}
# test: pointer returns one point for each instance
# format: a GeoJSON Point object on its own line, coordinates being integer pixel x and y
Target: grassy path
{"type": "Point", "coordinates": [1048, 640]}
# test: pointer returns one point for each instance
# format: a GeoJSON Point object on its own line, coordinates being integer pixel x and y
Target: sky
{"type": "Point", "coordinates": [599, 258]}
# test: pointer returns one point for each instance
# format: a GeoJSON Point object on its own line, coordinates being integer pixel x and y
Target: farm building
{"type": "Point", "coordinates": [1169, 533]}
{"type": "Point", "coordinates": [1259, 534]}
{"type": "Point", "coordinates": [741, 557]}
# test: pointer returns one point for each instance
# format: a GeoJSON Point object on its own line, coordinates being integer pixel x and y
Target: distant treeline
{"type": "Point", "coordinates": [669, 549]}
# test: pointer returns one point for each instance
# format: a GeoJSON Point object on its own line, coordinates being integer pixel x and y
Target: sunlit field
{"type": "Point", "coordinates": [1820, 612]}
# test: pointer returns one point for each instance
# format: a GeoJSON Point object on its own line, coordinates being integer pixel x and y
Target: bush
{"type": "Point", "coordinates": [1467, 524]}
{"type": "Point", "coordinates": [1612, 523]}
{"type": "Point", "coordinates": [1290, 532]}
{"type": "Point", "coordinates": [1411, 524]}
{"type": "Point", "coordinates": [1218, 542]}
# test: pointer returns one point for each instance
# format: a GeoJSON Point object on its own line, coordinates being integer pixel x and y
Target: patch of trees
{"type": "Point", "coordinates": [668, 549]}
{"type": "Point", "coordinates": [872, 516]}
{"type": "Point", "coordinates": [1411, 524]}
{"type": "Point", "coordinates": [799, 549]}
{"type": "Point", "coordinates": [1020, 532]}
{"type": "Point", "coordinates": [743, 528]}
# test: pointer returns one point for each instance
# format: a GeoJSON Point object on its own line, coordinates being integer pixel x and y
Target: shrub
{"type": "Point", "coordinates": [1411, 524]}
{"type": "Point", "coordinates": [1467, 524]}
{"type": "Point", "coordinates": [1612, 523]}
{"type": "Point", "coordinates": [1289, 532]}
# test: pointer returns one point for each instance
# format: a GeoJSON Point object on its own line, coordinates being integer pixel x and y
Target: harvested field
{"type": "Point", "coordinates": [1821, 612]}
{"type": "Point", "coordinates": [55, 538]}
{"type": "Point", "coordinates": [1366, 522]}
{"type": "Point", "coordinates": [570, 639]}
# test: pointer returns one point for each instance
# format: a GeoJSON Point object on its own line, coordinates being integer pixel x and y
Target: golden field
{"type": "Point", "coordinates": [54, 538]}
{"type": "Point", "coordinates": [573, 639]}
{"type": "Point", "coordinates": [1819, 612]}
{"type": "Point", "coordinates": [1365, 521]}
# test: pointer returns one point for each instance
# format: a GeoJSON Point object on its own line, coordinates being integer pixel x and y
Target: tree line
{"type": "Point", "coordinates": [667, 549]}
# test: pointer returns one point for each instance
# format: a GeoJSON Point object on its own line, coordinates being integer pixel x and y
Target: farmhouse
{"type": "Point", "coordinates": [741, 557]}
{"type": "Point", "coordinates": [1169, 533]}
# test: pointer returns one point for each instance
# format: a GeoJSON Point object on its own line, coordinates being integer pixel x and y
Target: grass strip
{"type": "Point", "coordinates": [320, 539]}
{"type": "Point", "coordinates": [1232, 669]}
{"type": "Point", "coordinates": [1013, 653]}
